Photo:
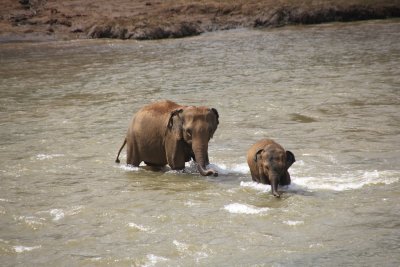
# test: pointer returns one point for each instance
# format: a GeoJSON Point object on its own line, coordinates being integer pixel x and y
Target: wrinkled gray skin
{"type": "Point", "coordinates": [167, 133]}
{"type": "Point", "coordinates": [269, 163]}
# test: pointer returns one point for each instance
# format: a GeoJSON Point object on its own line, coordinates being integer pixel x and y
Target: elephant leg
{"type": "Point", "coordinates": [254, 177]}
{"type": "Point", "coordinates": [175, 155]}
{"type": "Point", "coordinates": [264, 179]}
{"type": "Point", "coordinates": [132, 155]}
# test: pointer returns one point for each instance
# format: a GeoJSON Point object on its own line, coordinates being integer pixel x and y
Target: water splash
{"type": "Point", "coordinates": [180, 246]}
{"type": "Point", "coordinates": [225, 169]}
{"type": "Point", "coordinates": [20, 249]}
{"type": "Point", "coordinates": [152, 260]}
{"type": "Point", "coordinates": [350, 180]}
{"type": "Point", "coordinates": [48, 156]}
{"type": "Point", "coordinates": [257, 186]}
{"type": "Point", "coordinates": [139, 227]}
{"type": "Point", "coordinates": [57, 214]}
{"type": "Point", "coordinates": [238, 208]}
{"type": "Point", "coordinates": [293, 223]}
{"type": "Point", "coordinates": [128, 167]}
{"type": "Point", "coordinates": [347, 181]}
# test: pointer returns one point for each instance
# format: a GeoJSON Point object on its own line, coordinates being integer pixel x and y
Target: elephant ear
{"type": "Point", "coordinates": [289, 158]}
{"type": "Point", "coordinates": [175, 123]}
{"type": "Point", "coordinates": [257, 155]}
{"type": "Point", "coordinates": [216, 114]}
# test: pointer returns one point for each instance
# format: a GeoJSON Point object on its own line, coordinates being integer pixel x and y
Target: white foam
{"type": "Point", "coordinates": [191, 204]}
{"type": "Point", "coordinates": [186, 249]}
{"type": "Point", "coordinates": [74, 210]}
{"type": "Point", "coordinates": [316, 245]}
{"type": "Point", "coordinates": [256, 186]}
{"type": "Point", "coordinates": [191, 168]}
{"type": "Point", "coordinates": [48, 156]}
{"type": "Point", "coordinates": [301, 178]}
{"type": "Point", "coordinates": [300, 163]}
{"type": "Point", "coordinates": [139, 227]}
{"type": "Point", "coordinates": [200, 256]}
{"type": "Point", "coordinates": [57, 214]}
{"type": "Point", "coordinates": [126, 167]}
{"type": "Point", "coordinates": [31, 221]}
{"type": "Point", "coordinates": [181, 247]}
{"type": "Point", "coordinates": [238, 208]}
{"type": "Point", "coordinates": [224, 169]}
{"type": "Point", "coordinates": [221, 168]}
{"type": "Point", "coordinates": [347, 181]}
{"type": "Point", "coordinates": [152, 260]}
{"type": "Point", "coordinates": [20, 249]}
{"type": "Point", "coordinates": [241, 168]}
{"type": "Point", "coordinates": [293, 223]}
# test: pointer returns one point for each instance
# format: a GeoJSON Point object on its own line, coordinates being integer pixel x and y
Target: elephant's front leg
{"type": "Point", "coordinates": [175, 153]}
{"type": "Point", "coordinates": [254, 176]}
{"type": "Point", "coordinates": [263, 178]}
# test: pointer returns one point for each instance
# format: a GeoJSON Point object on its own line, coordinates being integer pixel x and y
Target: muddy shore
{"type": "Point", "coordinates": [156, 19]}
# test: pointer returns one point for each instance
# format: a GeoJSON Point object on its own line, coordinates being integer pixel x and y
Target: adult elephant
{"type": "Point", "coordinates": [167, 133]}
{"type": "Point", "coordinates": [269, 163]}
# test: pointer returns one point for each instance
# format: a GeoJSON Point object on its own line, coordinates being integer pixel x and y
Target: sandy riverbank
{"type": "Point", "coordinates": [156, 19]}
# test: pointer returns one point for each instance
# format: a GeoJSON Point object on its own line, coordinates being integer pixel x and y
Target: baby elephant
{"type": "Point", "coordinates": [269, 163]}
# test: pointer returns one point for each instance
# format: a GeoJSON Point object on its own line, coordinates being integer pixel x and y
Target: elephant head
{"type": "Point", "coordinates": [273, 161]}
{"type": "Point", "coordinates": [194, 127]}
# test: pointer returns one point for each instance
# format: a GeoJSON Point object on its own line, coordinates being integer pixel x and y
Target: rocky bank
{"type": "Point", "coordinates": [156, 19]}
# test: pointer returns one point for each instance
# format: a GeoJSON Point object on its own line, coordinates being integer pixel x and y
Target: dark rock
{"type": "Point", "coordinates": [183, 29]}
{"type": "Point", "coordinates": [107, 31]}
{"type": "Point", "coordinates": [77, 30]}
{"type": "Point", "coordinates": [25, 3]}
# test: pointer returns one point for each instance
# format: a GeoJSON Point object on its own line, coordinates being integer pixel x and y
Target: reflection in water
{"type": "Point", "coordinates": [328, 93]}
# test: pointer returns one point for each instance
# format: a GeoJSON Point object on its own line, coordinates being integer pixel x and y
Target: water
{"type": "Point", "coordinates": [328, 93]}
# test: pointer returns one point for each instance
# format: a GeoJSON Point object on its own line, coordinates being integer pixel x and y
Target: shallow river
{"type": "Point", "coordinates": [328, 93]}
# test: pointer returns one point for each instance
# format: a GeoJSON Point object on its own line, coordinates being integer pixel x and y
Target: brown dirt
{"type": "Point", "coordinates": [156, 19]}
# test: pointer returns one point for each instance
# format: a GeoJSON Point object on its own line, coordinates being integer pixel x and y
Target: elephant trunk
{"type": "Point", "coordinates": [274, 179]}
{"type": "Point", "coordinates": [201, 154]}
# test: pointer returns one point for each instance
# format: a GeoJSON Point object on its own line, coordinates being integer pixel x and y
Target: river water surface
{"type": "Point", "coordinates": [328, 93]}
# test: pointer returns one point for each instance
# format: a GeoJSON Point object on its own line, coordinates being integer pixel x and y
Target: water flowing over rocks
{"type": "Point", "coordinates": [152, 19]}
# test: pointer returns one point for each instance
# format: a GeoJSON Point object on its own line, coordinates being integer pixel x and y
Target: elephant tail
{"type": "Point", "coordinates": [117, 160]}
